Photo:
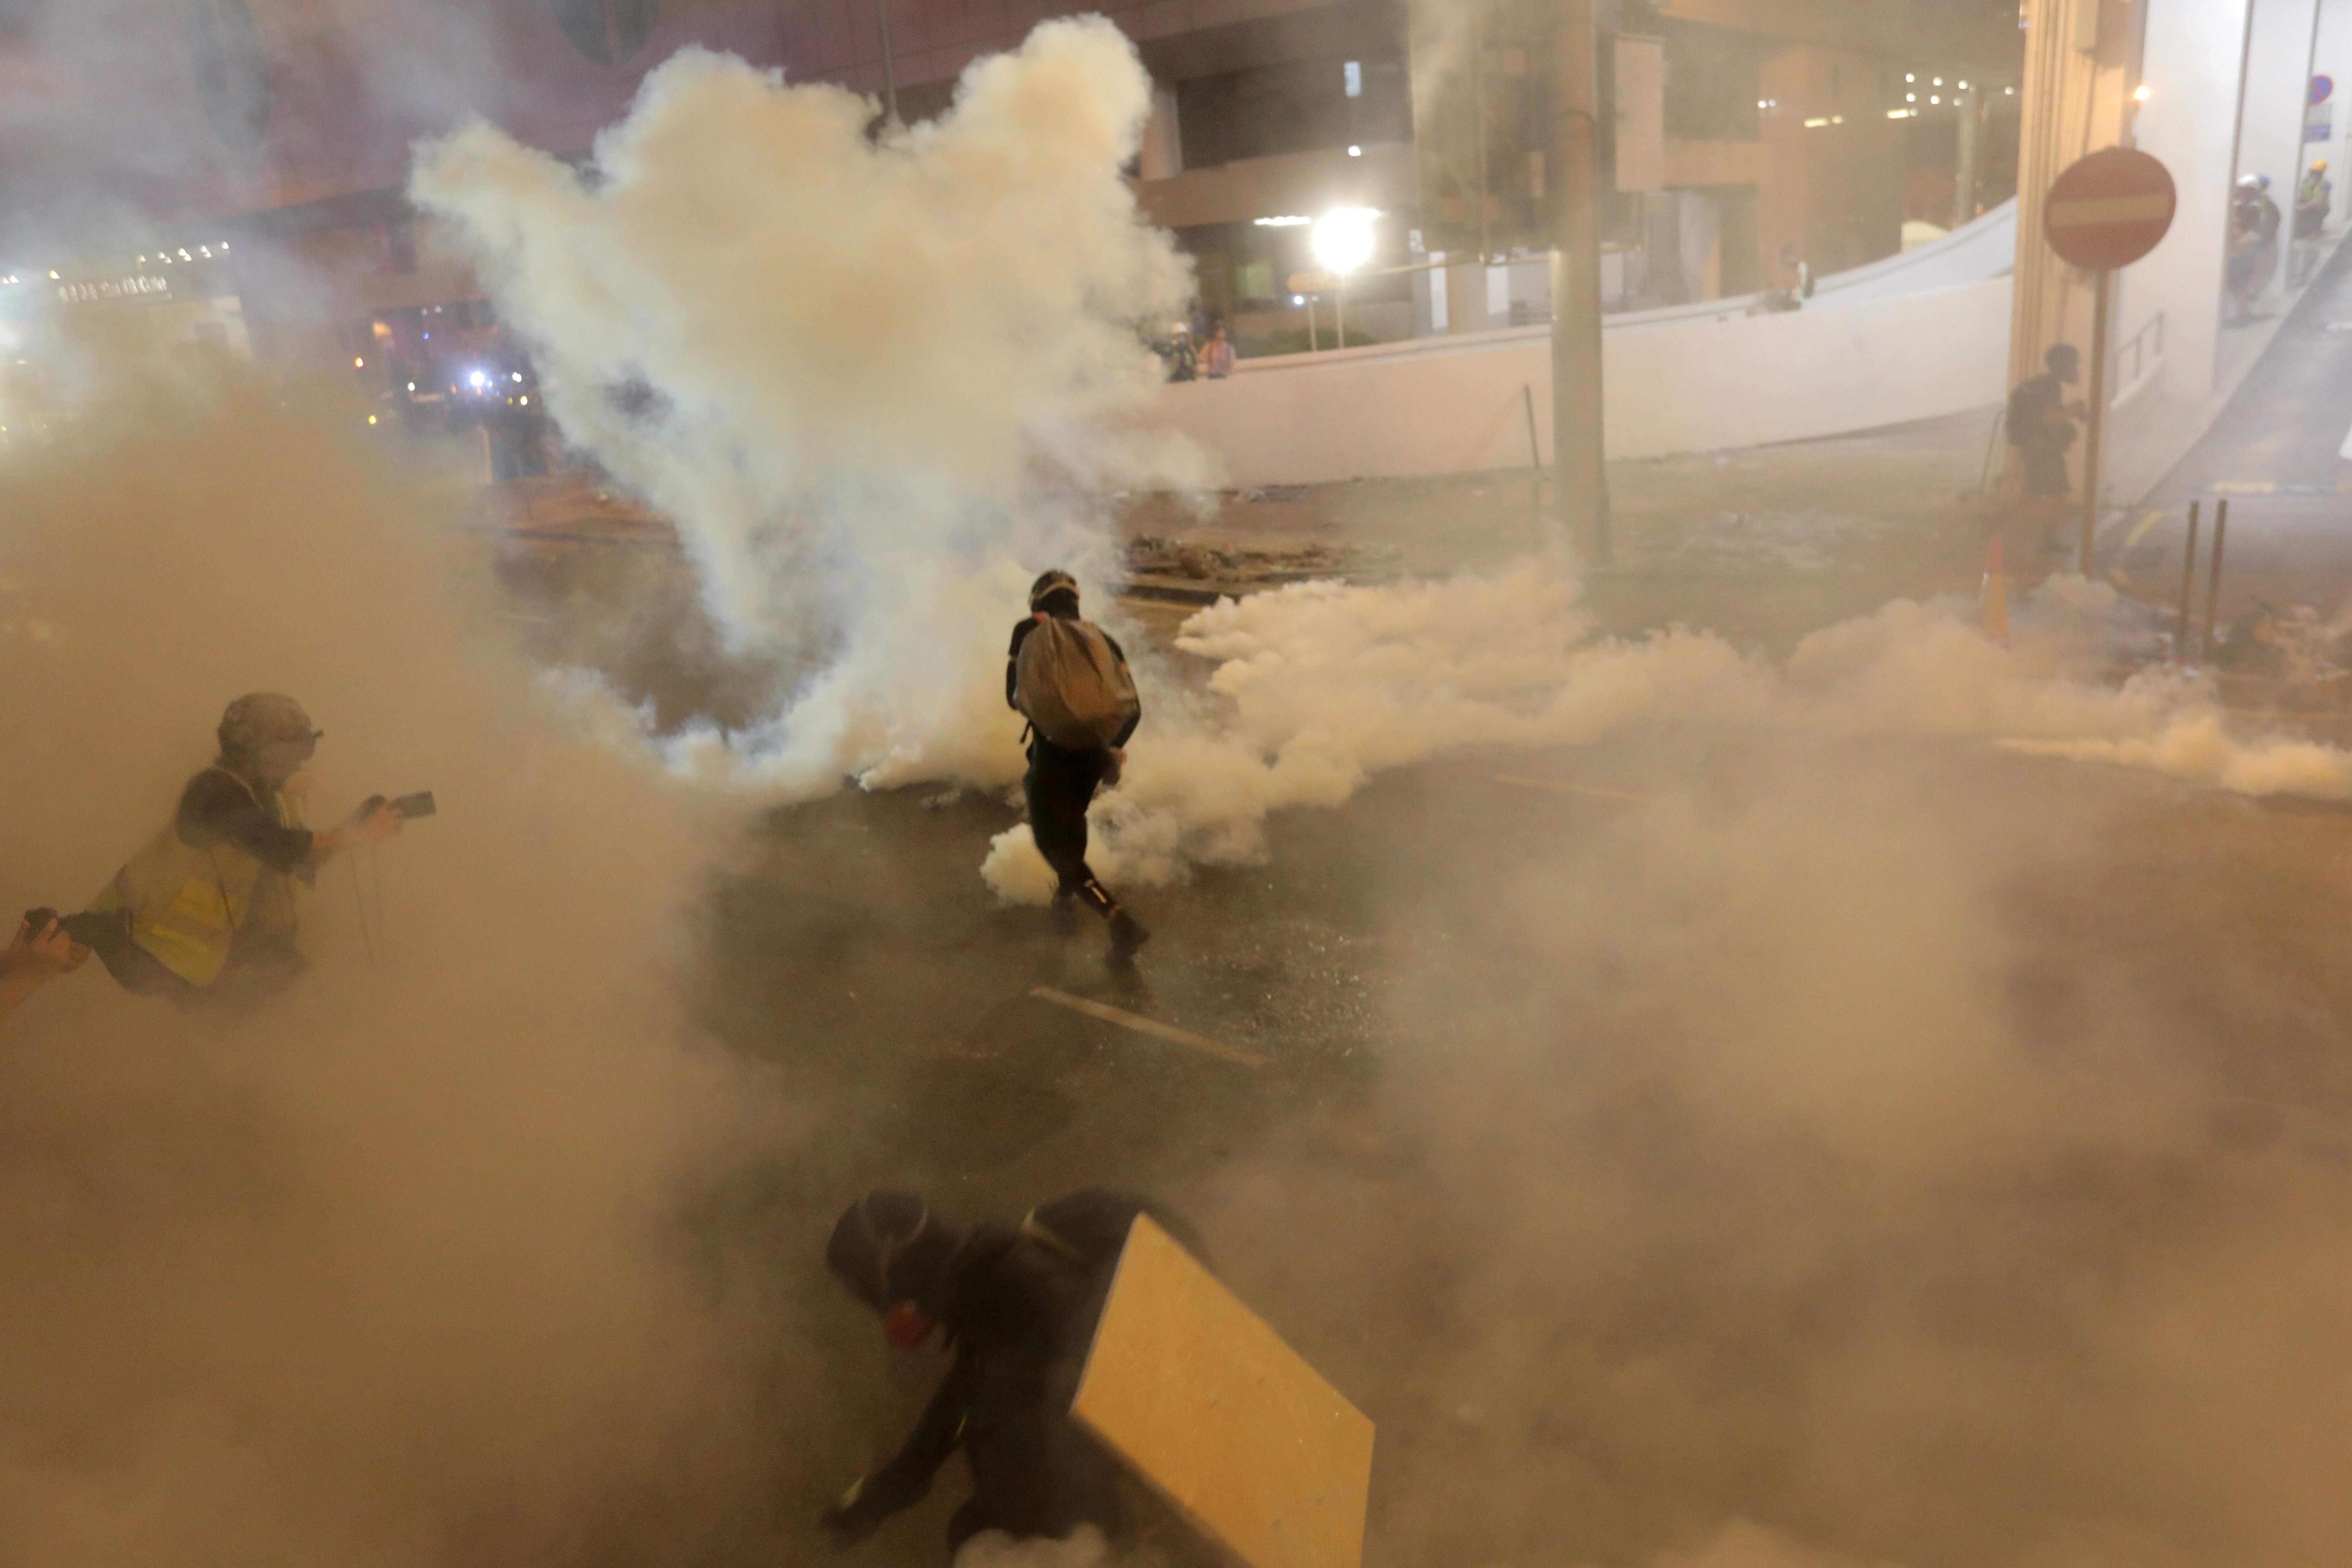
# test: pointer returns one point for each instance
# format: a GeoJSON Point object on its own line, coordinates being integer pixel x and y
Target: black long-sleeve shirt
{"type": "Point", "coordinates": [219, 808]}
{"type": "Point", "coordinates": [1021, 630]}
{"type": "Point", "coordinates": [1020, 1305]}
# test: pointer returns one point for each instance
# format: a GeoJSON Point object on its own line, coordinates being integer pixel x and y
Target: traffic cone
{"type": "Point", "coordinates": [1993, 598]}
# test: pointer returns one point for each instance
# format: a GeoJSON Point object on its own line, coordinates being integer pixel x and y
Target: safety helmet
{"type": "Point", "coordinates": [262, 718]}
{"type": "Point", "coordinates": [2319, 166]}
{"type": "Point", "coordinates": [890, 1248]}
{"type": "Point", "coordinates": [1050, 583]}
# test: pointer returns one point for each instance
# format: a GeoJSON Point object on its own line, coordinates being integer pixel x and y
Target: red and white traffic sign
{"type": "Point", "coordinates": [2109, 209]}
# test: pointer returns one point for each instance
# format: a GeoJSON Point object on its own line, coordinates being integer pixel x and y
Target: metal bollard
{"type": "Point", "coordinates": [2214, 583]}
{"type": "Point", "coordinates": [2187, 586]}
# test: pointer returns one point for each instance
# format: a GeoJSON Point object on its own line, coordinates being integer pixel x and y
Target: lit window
{"type": "Point", "coordinates": [1353, 71]}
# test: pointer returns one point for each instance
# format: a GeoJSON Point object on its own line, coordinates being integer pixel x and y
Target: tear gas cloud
{"type": "Point", "coordinates": [855, 373]}
{"type": "Point", "coordinates": [390, 1273]}
{"type": "Point", "coordinates": [874, 380]}
{"type": "Point", "coordinates": [1714, 1157]}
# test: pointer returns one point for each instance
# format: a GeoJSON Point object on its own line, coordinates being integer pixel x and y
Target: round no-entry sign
{"type": "Point", "coordinates": [2109, 210]}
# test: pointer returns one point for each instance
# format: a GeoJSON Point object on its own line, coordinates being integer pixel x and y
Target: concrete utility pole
{"type": "Point", "coordinates": [889, 65]}
{"type": "Point", "coordinates": [1580, 481]}
{"type": "Point", "coordinates": [1964, 180]}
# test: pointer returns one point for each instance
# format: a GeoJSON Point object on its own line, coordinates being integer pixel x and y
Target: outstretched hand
{"type": "Point", "coordinates": [46, 952]}
{"type": "Point", "coordinates": [853, 1516]}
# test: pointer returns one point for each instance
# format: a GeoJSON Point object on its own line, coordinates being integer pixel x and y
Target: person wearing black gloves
{"type": "Point", "coordinates": [1018, 1305]}
{"type": "Point", "coordinates": [1069, 678]}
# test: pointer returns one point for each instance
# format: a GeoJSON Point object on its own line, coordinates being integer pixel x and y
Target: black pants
{"type": "Point", "coordinates": [1060, 786]}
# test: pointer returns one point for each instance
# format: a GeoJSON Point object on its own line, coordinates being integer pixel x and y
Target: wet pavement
{"type": "Point", "coordinates": [1898, 1145]}
{"type": "Point", "coordinates": [2277, 457]}
{"type": "Point", "coordinates": [1619, 1111]}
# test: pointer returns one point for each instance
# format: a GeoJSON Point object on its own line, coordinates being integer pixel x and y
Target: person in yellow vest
{"type": "Point", "coordinates": [206, 907]}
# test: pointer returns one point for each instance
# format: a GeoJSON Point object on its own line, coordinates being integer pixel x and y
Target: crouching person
{"type": "Point", "coordinates": [1018, 1304]}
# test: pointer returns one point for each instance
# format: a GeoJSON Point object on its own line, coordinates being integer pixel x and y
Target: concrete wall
{"type": "Point", "coordinates": [2191, 69]}
{"type": "Point", "coordinates": [2270, 125]}
{"type": "Point", "coordinates": [1458, 405]}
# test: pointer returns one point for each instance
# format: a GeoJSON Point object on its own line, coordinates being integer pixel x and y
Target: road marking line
{"type": "Point", "coordinates": [2345, 450]}
{"type": "Point", "coordinates": [1142, 1025]}
{"type": "Point", "coordinates": [2139, 533]}
{"type": "Point", "coordinates": [2246, 488]}
{"type": "Point", "coordinates": [1555, 786]}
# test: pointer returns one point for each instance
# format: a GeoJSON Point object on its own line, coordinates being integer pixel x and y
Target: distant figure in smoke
{"type": "Point", "coordinates": [1019, 1305]}
{"type": "Point", "coordinates": [206, 909]}
{"type": "Point", "coordinates": [2040, 424]}
{"type": "Point", "coordinates": [1070, 680]}
{"type": "Point", "coordinates": [1217, 356]}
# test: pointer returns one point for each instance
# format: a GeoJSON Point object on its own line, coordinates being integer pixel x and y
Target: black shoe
{"type": "Point", "coordinates": [1127, 933]}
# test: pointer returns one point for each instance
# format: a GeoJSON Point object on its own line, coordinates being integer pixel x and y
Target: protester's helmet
{"type": "Point", "coordinates": [1052, 582]}
{"type": "Point", "coordinates": [888, 1247]}
{"type": "Point", "coordinates": [2319, 166]}
{"type": "Point", "coordinates": [264, 718]}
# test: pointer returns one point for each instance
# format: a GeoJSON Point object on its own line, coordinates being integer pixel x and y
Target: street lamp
{"type": "Point", "coordinates": [1343, 242]}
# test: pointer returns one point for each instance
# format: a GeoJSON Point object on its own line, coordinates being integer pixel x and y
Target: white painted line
{"type": "Point", "coordinates": [2085, 210]}
{"type": "Point", "coordinates": [1553, 786]}
{"type": "Point", "coordinates": [2345, 451]}
{"type": "Point", "coordinates": [1142, 1025]}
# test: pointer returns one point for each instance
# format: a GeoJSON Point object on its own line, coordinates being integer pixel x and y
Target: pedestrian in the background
{"type": "Point", "coordinates": [1184, 359]}
{"type": "Point", "coordinates": [2252, 254]}
{"type": "Point", "coordinates": [1019, 1304]}
{"type": "Point", "coordinates": [1796, 283]}
{"type": "Point", "coordinates": [34, 959]}
{"type": "Point", "coordinates": [2312, 200]}
{"type": "Point", "coordinates": [1070, 680]}
{"type": "Point", "coordinates": [1217, 357]}
{"type": "Point", "coordinates": [2041, 423]}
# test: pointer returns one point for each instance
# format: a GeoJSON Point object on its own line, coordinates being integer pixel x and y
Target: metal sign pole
{"type": "Point", "coordinates": [2096, 427]}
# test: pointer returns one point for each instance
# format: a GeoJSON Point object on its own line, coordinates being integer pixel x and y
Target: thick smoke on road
{"type": "Point", "coordinates": [1758, 1179]}
{"type": "Point", "coordinates": [863, 376]}
{"type": "Point", "coordinates": [870, 379]}
{"type": "Point", "coordinates": [393, 1273]}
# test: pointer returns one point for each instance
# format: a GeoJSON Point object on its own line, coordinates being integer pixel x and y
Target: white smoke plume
{"type": "Point", "coordinates": [388, 1272]}
{"type": "Point", "coordinates": [857, 372]}
{"type": "Point", "coordinates": [871, 379]}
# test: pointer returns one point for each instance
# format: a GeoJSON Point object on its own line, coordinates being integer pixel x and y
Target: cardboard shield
{"type": "Point", "coordinates": [1198, 1397]}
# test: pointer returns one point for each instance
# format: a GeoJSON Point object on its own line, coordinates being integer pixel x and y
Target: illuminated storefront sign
{"type": "Point", "coordinates": [137, 285]}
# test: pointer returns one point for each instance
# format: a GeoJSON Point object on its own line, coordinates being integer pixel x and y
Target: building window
{"type": "Point", "coordinates": [1298, 106]}
{"type": "Point", "coordinates": [1713, 83]}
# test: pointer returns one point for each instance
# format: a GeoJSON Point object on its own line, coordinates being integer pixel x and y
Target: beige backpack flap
{"type": "Point", "coordinates": [1072, 687]}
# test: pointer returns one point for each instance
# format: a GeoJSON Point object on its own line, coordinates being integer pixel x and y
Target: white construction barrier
{"type": "Point", "coordinates": [1679, 383]}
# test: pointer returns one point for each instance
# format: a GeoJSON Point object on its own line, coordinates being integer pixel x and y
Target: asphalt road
{"type": "Point", "coordinates": [1931, 1156]}
{"type": "Point", "coordinates": [2275, 456]}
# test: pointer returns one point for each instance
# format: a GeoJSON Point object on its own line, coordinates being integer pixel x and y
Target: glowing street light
{"type": "Point", "coordinates": [1342, 240]}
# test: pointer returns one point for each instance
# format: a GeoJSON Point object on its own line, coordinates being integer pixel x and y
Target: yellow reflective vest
{"type": "Point", "coordinates": [188, 905]}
